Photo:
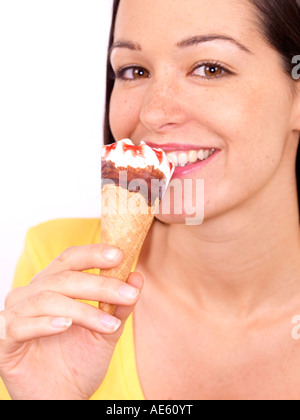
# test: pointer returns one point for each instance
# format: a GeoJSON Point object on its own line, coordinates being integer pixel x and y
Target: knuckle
{"type": "Point", "coordinates": [9, 324]}
{"type": "Point", "coordinates": [36, 278]}
{"type": "Point", "coordinates": [43, 296]}
{"type": "Point", "coordinates": [63, 279]}
{"type": "Point", "coordinates": [2, 326]}
{"type": "Point", "coordinates": [10, 298]}
{"type": "Point", "coordinates": [12, 330]}
{"type": "Point", "coordinates": [66, 255]}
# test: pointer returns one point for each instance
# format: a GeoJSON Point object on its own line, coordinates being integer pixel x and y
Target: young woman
{"type": "Point", "coordinates": [214, 319]}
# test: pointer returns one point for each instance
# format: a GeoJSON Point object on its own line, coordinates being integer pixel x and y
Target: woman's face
{"type": "Point", "coordinates": [194, 75]}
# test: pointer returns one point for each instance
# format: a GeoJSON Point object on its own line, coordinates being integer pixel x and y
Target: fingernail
{"type": "Point", "coordinates": [111, 254]}
{"type": "Point", "coordinates": [128, 292]}
{"type": "Point", "coordinates": [110, 322]}
{"type": "Point", "coordinates": [61, 323]}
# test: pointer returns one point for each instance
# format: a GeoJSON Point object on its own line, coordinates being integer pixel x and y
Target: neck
{"type": "Point", "coordinates": [237, 262]}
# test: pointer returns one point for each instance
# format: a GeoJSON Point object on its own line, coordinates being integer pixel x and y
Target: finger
{"type": "Point", "coordinates": [135, 280]}
{"type": "Point", "coordinates": [20, 330]}
{"type": "Point", "coordinates": [86, 257]}
{"type": "Point", "coordinates": [110, 308]}
{"type": "Point", "coordinates": [78, 285]}
{"type": "Point", "coordinates": [52, 304]}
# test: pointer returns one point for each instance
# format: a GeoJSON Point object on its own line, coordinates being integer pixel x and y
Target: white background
{"type": "Point", "coordinates": [52, 87]}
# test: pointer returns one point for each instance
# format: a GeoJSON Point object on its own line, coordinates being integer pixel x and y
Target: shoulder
{"type": "Point", "coordinates": [74, 230]}
{"type": "Point", "coordinates": [49, 239]}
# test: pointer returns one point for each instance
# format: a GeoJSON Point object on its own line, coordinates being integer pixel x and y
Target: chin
{"type": "Point", "coordinates": [196, 213]}
{"type": "Point", "coordinates": [181, 217]}
{"type": "Point", "coordinates": [182, 205]}
{"type": "Point", "coordinates": [171, 219]}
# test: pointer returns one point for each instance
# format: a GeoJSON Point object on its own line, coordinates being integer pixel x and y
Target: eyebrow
{"type": "Point", "coordinates": [133, 46]}
{"type": "Point", "coordinates": [186, 42]}
{"type": "Point", "coordinates": [195, 40]}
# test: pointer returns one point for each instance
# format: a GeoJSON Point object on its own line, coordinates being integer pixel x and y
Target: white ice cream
{"type": "Point", "coordinates": [147, 157]}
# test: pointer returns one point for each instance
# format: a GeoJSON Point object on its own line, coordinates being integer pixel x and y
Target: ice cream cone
{"type": "Point", "coordinates": [134, 179]}
{"type": "Point", "coordinates": [124, 228]}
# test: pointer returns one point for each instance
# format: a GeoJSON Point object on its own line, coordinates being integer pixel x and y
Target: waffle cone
{"type": "Point", "coordinates": [125, 221]}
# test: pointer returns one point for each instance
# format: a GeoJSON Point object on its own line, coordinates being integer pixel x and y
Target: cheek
{"type": "Point", "coordinates": [252, 125]}
{"type": "Point", "coordinates": [248, 125]}
{"type": "Point", "coordinates": [123, 115]}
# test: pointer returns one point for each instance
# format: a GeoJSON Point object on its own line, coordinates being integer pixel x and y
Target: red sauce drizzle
{"type": "Point", "coordinates": [109, 148]}
{"type": "Point", "coordinates": [135, 150]}
{"type": "Point", "coordinates": [159, 155]}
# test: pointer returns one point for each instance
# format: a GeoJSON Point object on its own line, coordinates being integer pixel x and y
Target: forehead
{"type": "Point", "coordinates": [163, 20]}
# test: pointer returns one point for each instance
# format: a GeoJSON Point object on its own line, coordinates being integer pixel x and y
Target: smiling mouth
{"type": "Point", "coordinates": [182, 155]}
{"type": "Point", "coordinates": [189, 157]}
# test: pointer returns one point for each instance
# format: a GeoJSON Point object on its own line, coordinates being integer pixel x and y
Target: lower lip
{"type": "Point", "coordinates": [181, 171]}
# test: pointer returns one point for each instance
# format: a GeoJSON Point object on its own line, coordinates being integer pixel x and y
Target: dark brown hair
{"type": "Point", "coordinates": [279, 22]}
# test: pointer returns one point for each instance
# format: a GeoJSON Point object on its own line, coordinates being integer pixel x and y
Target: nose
{"type": "Point", "coordinates": [163, 106]}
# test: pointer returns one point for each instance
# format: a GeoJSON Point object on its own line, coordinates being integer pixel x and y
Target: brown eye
{"type": "Point", "coordinates": [210, 71]}
{"type": "Point", "coordinates": [132, 73]}
{"type": "Point", "coordinates": [139, 73]}
{"type": "Point", "coordinates": [213, 71]}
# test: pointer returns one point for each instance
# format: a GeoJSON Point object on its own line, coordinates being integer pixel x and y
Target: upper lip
{"type": "Point", "coordinates": [176, 147]}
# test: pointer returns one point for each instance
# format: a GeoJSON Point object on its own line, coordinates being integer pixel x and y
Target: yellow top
{"type": "Point", "coordinates": [44, 243]}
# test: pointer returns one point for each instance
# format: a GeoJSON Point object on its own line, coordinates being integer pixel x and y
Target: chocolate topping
{"type": "Point", "coordinates": [149, 182]}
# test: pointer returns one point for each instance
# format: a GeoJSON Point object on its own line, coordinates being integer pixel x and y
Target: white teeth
{"type": "Point", "coordinates": [183, 158]}
{"type": "Point", "coordinates": [201, 155]}
{"type": "Point", "coordinates": [193, 156]}
{"type": "Point", "coordinates": [206, 154]}
{"type": "Point", "coordinates": [173, 158]}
